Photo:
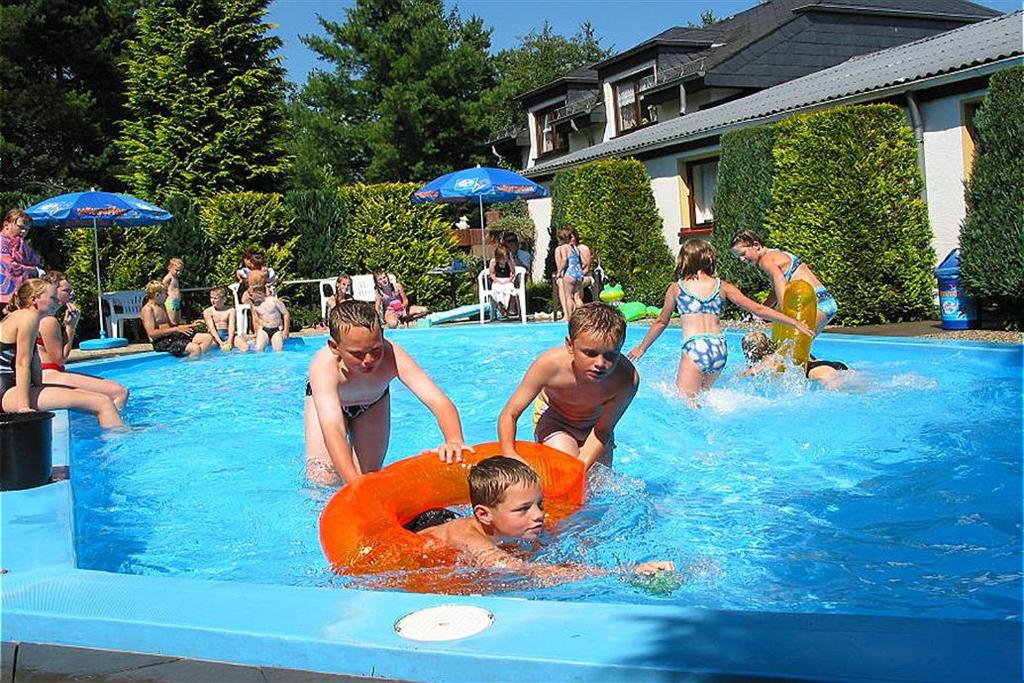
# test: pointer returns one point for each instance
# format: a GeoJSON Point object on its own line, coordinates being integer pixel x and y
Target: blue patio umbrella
{"type": "Point", "coordinates": [481, 183]}
{"type": "Point", "coordinates": [95, 210]}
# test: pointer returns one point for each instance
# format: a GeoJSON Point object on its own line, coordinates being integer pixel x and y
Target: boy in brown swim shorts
{"type": "Point", "coordinates": [581, 389]}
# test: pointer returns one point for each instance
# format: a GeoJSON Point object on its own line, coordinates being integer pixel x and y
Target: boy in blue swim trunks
{"type": "Point", "coordinates": [220, 322]}
{"type": "Point", "coordinates": [783, 267]}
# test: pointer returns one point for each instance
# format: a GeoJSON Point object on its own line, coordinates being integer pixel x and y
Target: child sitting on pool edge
{"type": "Point", "coordinates": [220, 322]}
{"type": "Point", "coordinates": [580, 390]}
{"type": "Point", "coordinates": [177, 340]}
{"type": "Point", "coordinates": [348, 402]}
{"type": "Point", "coordinates": [508, 502]}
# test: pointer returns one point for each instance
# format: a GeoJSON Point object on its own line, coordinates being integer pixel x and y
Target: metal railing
{"type": "Point", "coordinates": [584, 104]}
{"type": "Point", "coordinates": [675, 73]}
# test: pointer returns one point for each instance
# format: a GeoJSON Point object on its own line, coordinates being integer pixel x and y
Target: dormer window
{"type": "Point", "coordinates": [548, 139]}
{"type": "Point", "coordinates": [630, 111]}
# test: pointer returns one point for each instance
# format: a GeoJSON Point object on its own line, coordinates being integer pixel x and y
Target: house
{"type": "Point", "coordinates": [784, 56]}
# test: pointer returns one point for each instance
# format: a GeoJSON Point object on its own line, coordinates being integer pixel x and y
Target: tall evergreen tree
{"type": "Point", "coordinates": [540, 58]}
{"type": "Point", "coordinates": [402, 102]}
{"type": "Point", "coordinates": [60, 93]}
{"type": "Point", "coordinates": [205, 100]}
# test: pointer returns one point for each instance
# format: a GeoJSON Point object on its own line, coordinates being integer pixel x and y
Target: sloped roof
{"type": "Point", "coordinates": [965, 47]}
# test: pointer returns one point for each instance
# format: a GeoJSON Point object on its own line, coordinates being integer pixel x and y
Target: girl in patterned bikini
{"type": "Point", "coordinates": [699, 296]}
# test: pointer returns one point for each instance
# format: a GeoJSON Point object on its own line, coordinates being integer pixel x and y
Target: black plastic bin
{"type": "Point", "coordinates": [26, 456]}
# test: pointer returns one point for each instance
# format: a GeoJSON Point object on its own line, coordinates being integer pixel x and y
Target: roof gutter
{"type": "Point", "coordinates": [856, 98]}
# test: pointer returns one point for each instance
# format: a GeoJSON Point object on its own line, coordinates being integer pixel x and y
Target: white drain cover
{"type": "Point", "coordinates": [447, 622]}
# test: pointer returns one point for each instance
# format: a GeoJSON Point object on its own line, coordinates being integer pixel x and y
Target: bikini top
{"type": "Point", "coordinates": [690, 304]}
{"type": "Point", "coordinates": [503, 269]}
{"type": "Point", "coordinates": [795, 263]}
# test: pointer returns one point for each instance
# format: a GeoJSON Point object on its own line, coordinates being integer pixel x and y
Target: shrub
{"type": "Point", "coordinates": [236, 222]}
{"type": "Point", "coordinates": [611, 206]}
{"type": "Point", "coordinates": [386, 230]}
{"type": "Point", "coordinates": [742, 199]}
{"type": "Point", "coordinates": [320, 226]}
{"type": "Point", "coordinates": [993, 231]}
{"type": "Point", "coordinates": [846, 198]}
{"type": "Point", "coordinates": [521, 226]}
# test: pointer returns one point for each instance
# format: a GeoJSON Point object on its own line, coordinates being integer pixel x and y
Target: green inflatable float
{"type": "Point", "coordinates": [611, 294]}
{"type": "Point", "coordinates": [633, 310]}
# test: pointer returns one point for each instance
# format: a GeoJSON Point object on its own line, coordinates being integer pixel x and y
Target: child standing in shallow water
{"type": "Point", "coordinates": [220, 321]}
{"type": "Point", "coordinates": [698, 297]}
{"type": "Point", "coordinates": [783, 267]}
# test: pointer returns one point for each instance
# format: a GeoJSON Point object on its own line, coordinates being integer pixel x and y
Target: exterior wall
{"type": "Point", "coordinates": [540, 212]}
{"type": "Point", "coordinates": [669, 196]}
{"type": "Point", "coordinates": [705, 96]}
{"type": "Point", "coordinates": [944, 168]}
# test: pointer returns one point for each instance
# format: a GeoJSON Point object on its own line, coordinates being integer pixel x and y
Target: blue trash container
{"type": "Point", "coordinates": [958, 309]}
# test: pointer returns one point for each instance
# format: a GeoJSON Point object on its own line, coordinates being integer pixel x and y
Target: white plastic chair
{"type": "Point", "coordinates": [483, 281]}
{"type": "Point", "coordinates": [121, 306]}
{"type": "Point", "coordinates": [241, 311]}
{"type": "Point", "coordinates": [327, 290]}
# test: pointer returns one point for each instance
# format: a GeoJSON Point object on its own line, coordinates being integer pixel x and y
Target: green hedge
{"type": "Point", "coordinates": [611, 206]}
{"type": "Point", "coordinates": [992, 234]}
{"type": "Point", "coordinates": [236, 222]}
{"type": "Point", "coordinates": [561, 191]}
{"type": "Point", "coordinates": [743, 196]}
{"type": "Point", "coordinates": [846, 197]}
{"type": "Point", "coordinates": [385, 230]}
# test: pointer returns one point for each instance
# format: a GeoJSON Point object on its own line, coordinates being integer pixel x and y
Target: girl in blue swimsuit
{"type": "Point", "coordinates": [699, 296]}
{"type": "Point", "coordinates": [783, 267]}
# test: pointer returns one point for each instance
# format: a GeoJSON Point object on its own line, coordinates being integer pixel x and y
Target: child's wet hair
{"type": "Point", "coordinates": [175, 262]}
{"type": "Point", "coordinates": [757, 346]}
{"type": "Point", "coordinates": [258, 289]}
{"type": "Point", "coordinates": [153, 288]}
{"type": "Point", "coordinates": [219, 290]}
{"type": "Point", "coordinates": [695, 256]}
{"type": "Point", "coordinates": [55, 277]}
{"type": "Point", "coordinates": [565, 235]}
{"type": "Point", "coordinates": [746, 238]}
{"type": "Point", "coordinates": [349, 314]}
{"type": "Point", "coordinates": [490, 478]}
{"type": "Point", "coordinates": [501, 252]}
{"type": "Point", "coordinates": [599, 319]}
{"type": "Point", "coordinates": [257, 261]}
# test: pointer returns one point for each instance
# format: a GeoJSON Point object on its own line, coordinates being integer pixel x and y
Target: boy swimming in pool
{"type": "Point", "coordinates": [508, 502]}
{"type": "Point", "coordinates": [348, 403]}
{"type": "Point", "coordinates": [220, 322]}
{"type": "Point", "coordinates": [580, 390]}
{"type": "Point", "coordinates": [759, 350]}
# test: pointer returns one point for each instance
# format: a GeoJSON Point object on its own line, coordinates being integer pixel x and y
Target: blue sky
{"type": "Point", "coordinates": [619, 24]}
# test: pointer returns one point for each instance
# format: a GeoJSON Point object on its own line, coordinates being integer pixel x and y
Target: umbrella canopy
{"type": "Point", "coordinates": [482, 184]}
{"type": "Point", "coordinates": [95, 209]}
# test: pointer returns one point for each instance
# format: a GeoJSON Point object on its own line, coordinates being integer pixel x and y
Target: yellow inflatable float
{"type": "Point", "coordinates": [799, 302]}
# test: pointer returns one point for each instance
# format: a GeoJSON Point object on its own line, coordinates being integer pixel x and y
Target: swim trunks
{"type": "Point", "coordinates": [834, 364]}
{"type": "Point", "coordinates": [432, 517]}
{"type": "Point", "coordinates": [51, 366]}
{"type": "Point", "coordinates": [223, 334]}
{"type": "Point", "coordinates": [173, 304]}
{"type": "Point", "coordinates": [173, 343]}
{"type": "Point", "coordinates": [548, 422]}
{"type": "Point", "coordinates": [271, 331]}
{"type": "Point", "coordinates": [354, 411]}
{"type": "Point", "coordinates": [708, 351]}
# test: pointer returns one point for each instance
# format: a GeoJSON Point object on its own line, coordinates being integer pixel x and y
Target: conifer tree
{"type": "Point", "coordinates": [205, 100]}
{"type": "Point", "coordinates": [60, 93]}
{"type": "Point", "coordinates": [402, 101]}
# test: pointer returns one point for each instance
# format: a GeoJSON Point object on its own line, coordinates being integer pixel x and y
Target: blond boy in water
{"type": "Point", "coordinates": [580, 390]}
{"type": "Point", "coordinates": [220, 322]}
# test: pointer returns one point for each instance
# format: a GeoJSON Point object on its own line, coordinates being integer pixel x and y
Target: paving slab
{"type": "Point", "coordinates": [8, 653]}
{"type": "Point", "coordinates": [52, 663]}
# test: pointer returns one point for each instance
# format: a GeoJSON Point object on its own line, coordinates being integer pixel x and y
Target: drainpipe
{"type": "Point", "coordinates": [918, 125]}
{"type": "Point", "coordinates": [682, 99]}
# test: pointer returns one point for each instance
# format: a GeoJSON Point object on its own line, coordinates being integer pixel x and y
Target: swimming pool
{"type": "Point", "coordinates": [897, 495]}
{"type": "Point", "coordinates": [912, 489]}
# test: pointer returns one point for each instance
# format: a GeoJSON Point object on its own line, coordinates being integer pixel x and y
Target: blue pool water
{"type": "Point", "coordinates": [899, 494]}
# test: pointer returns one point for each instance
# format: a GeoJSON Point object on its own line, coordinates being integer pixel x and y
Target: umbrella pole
{"type": "Point", "coordinates": [99, 288]}
{"type": "Point", "coordinates": [483, 230]}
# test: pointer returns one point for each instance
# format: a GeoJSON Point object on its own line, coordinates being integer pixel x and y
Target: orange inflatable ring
{"type": "Point", "coordinates": [361, 528]}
